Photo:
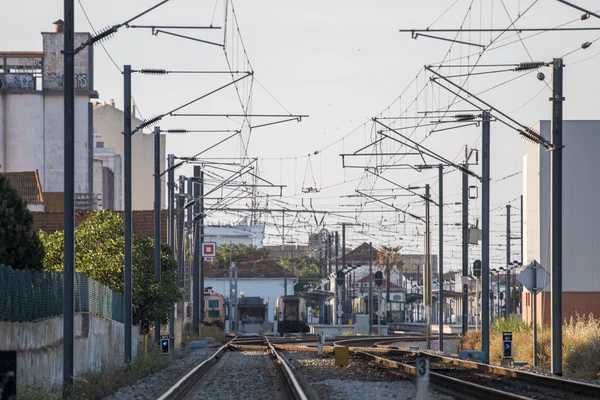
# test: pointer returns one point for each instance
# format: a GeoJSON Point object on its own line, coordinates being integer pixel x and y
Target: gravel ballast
{"type": "Point", "coordinates": [153, 386]}
{"type": "Point", "coordinates": [242, 375]}
{"type": "Point", "coordinates": [360, 380]}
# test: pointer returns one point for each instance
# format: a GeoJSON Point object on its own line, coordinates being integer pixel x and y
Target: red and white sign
{"type": "Point", "coordinates": [209, 249]}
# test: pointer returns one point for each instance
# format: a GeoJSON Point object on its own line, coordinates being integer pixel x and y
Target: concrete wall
{"type": "Point", "coordinates": [108, 124]}
{"type": "Point", "coordinates": [39, 346]}
{"type": "Point", "coordinates": [268, 288]}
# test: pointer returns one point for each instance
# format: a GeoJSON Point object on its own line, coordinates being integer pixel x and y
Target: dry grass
{"type": "Point", "coordinates": [98, 385]}
{"type": "Point", "coordinates": [205, 332]}
{"type": "Point", "coordinates": [581, 345]}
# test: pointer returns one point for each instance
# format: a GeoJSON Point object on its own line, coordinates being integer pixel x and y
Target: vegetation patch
{"type": "Point", "coordinates": [581, 344]}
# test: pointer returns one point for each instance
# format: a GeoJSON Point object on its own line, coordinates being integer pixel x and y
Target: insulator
{"type": "Point", "coordinates": [176, 130]}
{"type": "Point", "coordinates": [152, 121]}
{"type": "Point", "coordinates": [464, 117]}
{"type": "Point", "coordinates": [153, 71]}
{"type": "Point", "coordinates": [525, 66]}
{"type": "Point", "coordinates": [105, 33]}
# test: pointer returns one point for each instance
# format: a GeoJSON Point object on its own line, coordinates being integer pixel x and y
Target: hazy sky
{"type": "Point", "coordinates": [341, 62]}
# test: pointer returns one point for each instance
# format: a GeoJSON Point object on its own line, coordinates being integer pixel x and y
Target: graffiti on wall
{"type": "Point", "coordinates": [55, 81]}
{"type": "Point", "coordinates": [17, 81]}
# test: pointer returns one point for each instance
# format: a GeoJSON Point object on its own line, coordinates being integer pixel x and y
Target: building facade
{"type": "Point", "coordinates": [580, 219]}
{"type": "Point", "coordinates": [248, 235]}
{"type": "Point", "coordinates": [108, 128]}
{"type": "Point", "coordinates": [32, 117]}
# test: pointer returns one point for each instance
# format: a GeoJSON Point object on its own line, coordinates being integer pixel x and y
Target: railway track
{"type": "Point", "coordinates": [240, 369]}
{"type": "Point", "coordinates": [487, 381]}
{"type": "Point", "coordinates": [382, 341]}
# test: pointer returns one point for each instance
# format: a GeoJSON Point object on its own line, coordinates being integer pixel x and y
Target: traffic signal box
{"type": "Point", "coordinates": [507, 350]}
{"type": "Point", "coordinates": [164, 344]}
{"type": "Point", "coordinates": [379, 278]}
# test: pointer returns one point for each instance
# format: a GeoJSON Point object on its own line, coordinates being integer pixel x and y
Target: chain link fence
{"type": "Point", "coordinates": [29, 296]}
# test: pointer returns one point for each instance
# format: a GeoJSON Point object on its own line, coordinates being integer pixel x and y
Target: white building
{"type": "Point", "coordinates": [108, 125]}
{"type": "Point", "coordinates": [262, 278]}
{"type": "Point", "coordinates": [249, 235]}
{"type": "Point", "coordinates": [32, 116]}
{"type": "Point", "coordinates": [580, 218]}
{"type": "Point", "coordinates": [108, 176]}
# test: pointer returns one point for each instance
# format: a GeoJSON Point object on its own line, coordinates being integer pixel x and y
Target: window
{"type": "Point", "coordinates": [214, 313]}
{"type": "Point", "coordinates": [213, 304]}
{"type": "Point", "coordinates": [100, 145]}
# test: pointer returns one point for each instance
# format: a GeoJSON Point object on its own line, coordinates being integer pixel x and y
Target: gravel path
{"type": "Point", "coordinates": [152, 386]}
{"type": "Point", "coordinates": [241, 375]}
{"type": "Point", "coordinates": [360, 380]}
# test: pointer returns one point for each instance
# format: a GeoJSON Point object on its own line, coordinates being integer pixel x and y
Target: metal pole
{"type": "Point", "coordinates": [535, 315]}
{"type": "Point", "coordinates": [441, 259]}
{"type": "Point", "coordinates": [485, 247]}
{"type": "Point", "coordinates": [69, 192]}
{"type": "Point", "coordinates": [427, 270]}
{"type": "Point", "coordinates": [370, 311]}
{"type": "Point", "coordinates": [522, 258]}
{"type": "Point", "coordinates": [339, 299]}
{"type": "Point", "coordinates": [508, 264]}
{"type": "Point", "coordinates": [157, 222]}
{"type": "Point", "coordinates": [127, 214]}
{"type": "Point", "coordinates": [171, 199]}
{"type": "Point", "coordinates": [196, 267]}
{"type": "Point", "coordinates": [201, 287]}
{"type": "Point", "coordinates": [556, 220]}
{"type": "Point", "coordinates": [348, 306]}
{"type": "Point", "coordinates": [180, 240]}
{"type": "Point", "coordinates": [465, 251]}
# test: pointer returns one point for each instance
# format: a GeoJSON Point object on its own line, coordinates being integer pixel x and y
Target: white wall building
{"type": "Point", "coordinates": [267, 288]}
{"type": "Point", "coordinates": [580, 217]}
{"type": "Point", "coordinates": [237, 234]}
{"type": "Point", "coordinates": [108, 125]}
{"type": "Point", "coordinates": [32, 116]}
{"type": "Point", "coordinates": [108, 176]}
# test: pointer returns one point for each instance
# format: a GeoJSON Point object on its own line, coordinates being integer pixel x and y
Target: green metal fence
{"type": "Point", "coordinates": [30, 296]}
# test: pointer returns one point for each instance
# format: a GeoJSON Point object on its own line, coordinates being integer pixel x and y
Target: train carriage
{"type": "Point", "coordinates": [214, 308]}
{"type": "Point", "coordinates": [291, 314]}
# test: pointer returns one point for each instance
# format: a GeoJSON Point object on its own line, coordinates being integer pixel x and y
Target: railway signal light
{"type": "Point", "coordinates": [507, 350]}
{"type": "Point", "coordinates": [340, 278]}
{"type": "Point", "coordinates": [477, 268]}
{"type": "Point", "coordinates": [379, 278]}
{"type": "Point", "coordinates": [164, 344]}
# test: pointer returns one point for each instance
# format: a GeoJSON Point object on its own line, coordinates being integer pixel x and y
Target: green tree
{"type": "Point", "coordinates": [237, 252]}
{"type": "Point", "coordinates": [20, 246]}
{"type": "Point", "coordinates": [99, 249]}
{"type": "Point", "coordinates": [303, 267]}
{"type": "Point", "coordinates": [388, 258]}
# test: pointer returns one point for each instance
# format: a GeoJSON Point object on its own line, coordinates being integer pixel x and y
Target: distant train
{"type": "Point", "coordinates": [291, 314]}
{"type": "Point", "coordinates": [214, 308]}
{"type": "Point", "coordinates": [396, 309]}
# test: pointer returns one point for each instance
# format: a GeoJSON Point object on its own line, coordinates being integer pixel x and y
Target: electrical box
{"type": "Point", "coordinates": [507, 350]}
{"type": "Point", "coordinates": [475, 235]}
{"type": "Point", "coordinates": [342, 356]}
{"type": "Point", "coordinates": [164, 344]}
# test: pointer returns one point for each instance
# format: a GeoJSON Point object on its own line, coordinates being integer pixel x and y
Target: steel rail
{"type": "Point", "coordinates": [445, 382]}
{"type": "Point", "coordinates": [295, 387]}
{"type": "Point", "coordinates": [183, 386]}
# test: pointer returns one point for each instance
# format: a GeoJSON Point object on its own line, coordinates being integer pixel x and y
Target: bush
{"type": "Point", "coordinates": [20, 247]}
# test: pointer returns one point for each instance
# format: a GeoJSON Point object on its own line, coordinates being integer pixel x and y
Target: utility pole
{"type": "Point", "coordinates": [556, 220]}
{"type": "Point", "coordinates": [347, 309]}
{"type": "Point", "coordinates": [69, 194]}
{"type": "Point", "coordinates": [465, 251]}
{"type": "Point", "coordinates": [201, 287]}
{"type": "Point", "coordinates": [196, 268]}
{"type": "Point", "coordinates": [508, 264]}
{"type": "Point", "coordinates": [370, 312]}
{"type": "Point", "coordinates": [485, 247]}
{"type": "Point", "coordinates": [157, 222]}
{"type": "Point", "coordinates": [127, 212]}
{"type": "Point", "coordinates": [171, 200]}
{"type": "Point", "coordinates": [441, 258]}
{"type": "Point", "coordinates": [180, 240]}
{"type": "Point", "coordinates": [339, 300]}
{"type": "Point", "coordinates": [522, 257]}
{"type": "Point", "coordinates": [427, 274]}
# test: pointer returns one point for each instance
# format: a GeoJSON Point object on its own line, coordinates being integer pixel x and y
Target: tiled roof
{"type": "Point", "coordinates": [263, 268]}
{"type": "Point", "coordinates": [366, 279]}
{"type": "Point", "coordinates": [143, 222]}
{"type": "Point", "coordinates": [361, 254]}
{"type": "Point", "coordinates": [27, 184]}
